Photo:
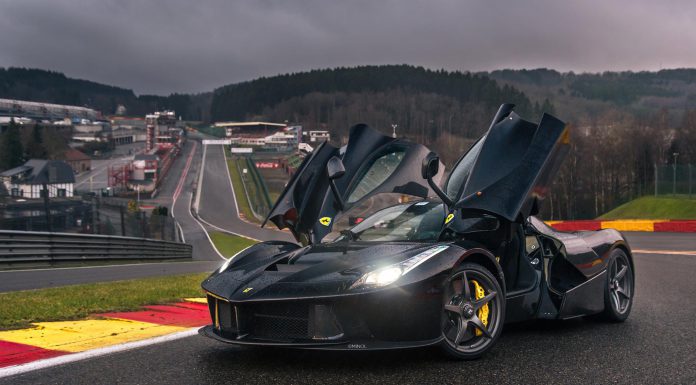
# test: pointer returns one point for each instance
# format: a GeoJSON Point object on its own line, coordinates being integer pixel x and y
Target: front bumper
{"type": "Point", "coordinates": [211, 332]}
{"type": "Point", "coordinates": [397, 318]}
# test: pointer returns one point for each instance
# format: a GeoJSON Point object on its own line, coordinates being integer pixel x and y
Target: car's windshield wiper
{"type": "Point", "coordinates": [349, 235]}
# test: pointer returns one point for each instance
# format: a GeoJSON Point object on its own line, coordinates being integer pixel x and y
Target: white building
{"type": "Point", "coordinates": [27, 180]}
{"type": "Point", "coordinates": [316, 136]}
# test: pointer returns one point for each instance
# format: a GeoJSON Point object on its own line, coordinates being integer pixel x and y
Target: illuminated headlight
{"type": "Point", "coordinates": [383, 277]}
{"type": "Point", "coordinates": [226, 264]}
{"type": "Point", "coordinates": [389, 274]}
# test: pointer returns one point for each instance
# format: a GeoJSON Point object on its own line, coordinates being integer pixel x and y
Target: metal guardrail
{"type": "Point", "coordinates": [31, 246]}
{"type": "Point", "coordinates": [260, 183]}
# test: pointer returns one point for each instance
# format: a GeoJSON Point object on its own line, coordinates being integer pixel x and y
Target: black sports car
{"type": "Point", "coordinates": [449, 271]}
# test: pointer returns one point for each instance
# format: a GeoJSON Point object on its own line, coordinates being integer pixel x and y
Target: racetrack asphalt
{"type": "Point", "coordinates": [655, 345]}
{"type": "Point", "coordinates": [217, 203]}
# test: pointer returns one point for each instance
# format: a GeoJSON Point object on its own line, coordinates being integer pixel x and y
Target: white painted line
{"type": "Point", "coordinates": [204, 230]}
{"type": "Point", "coordinates": [182, 179]}
{"type": "Point", "coordinates": [229, 178]}
{"type": "Point", "coordinates": [181, 231]}
{"type": "Point", "coordinates": [199, 193]}
{"type": "Point", "coordinates": [227, 231]}
{"type": "Point", "coordinates": [60, 360]}
{"type": "Point", "coordinates": [177, 191]}
{"type": "Point", "coordinates": [200, 180]}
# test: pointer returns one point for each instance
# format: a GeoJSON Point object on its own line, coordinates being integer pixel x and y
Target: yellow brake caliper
{"type": "Point", "coordinates": [483, 311]}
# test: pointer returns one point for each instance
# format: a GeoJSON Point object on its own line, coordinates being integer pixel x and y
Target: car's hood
{"type": "Point", "coordinates": [508, 171]}
{"type": "Point", "coordinates": [325, 269]}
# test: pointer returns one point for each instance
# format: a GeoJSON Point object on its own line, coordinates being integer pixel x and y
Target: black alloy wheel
{"type": "Point", "coordinates": [619, 290]}
{"type": "Point", "coordinates": [473, 312]}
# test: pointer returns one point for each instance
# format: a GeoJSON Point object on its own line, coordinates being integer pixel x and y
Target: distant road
{"type": "Point", "coordinates": [99, 173]}
{"type": "Point", "coordinates": [217, 204]}
{"type": "Point", "coordinates": [14, 280]}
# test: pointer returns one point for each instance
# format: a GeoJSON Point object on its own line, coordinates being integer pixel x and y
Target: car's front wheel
{"type": "Point", "coordinates": [473, 312]}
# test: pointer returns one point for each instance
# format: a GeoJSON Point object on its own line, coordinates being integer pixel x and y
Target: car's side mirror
{"type": "Point", "coordinates": [475, 224]}
{"type": "Point", "coordinates": [335, 169]}
{"type": "Point", "coordinates": [429, 169]}
{"type": "Point", "coordinates": [430, 166]}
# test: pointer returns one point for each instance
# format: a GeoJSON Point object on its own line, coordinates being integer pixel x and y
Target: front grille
{"type": "Point", "coordinates": [284, 322]}
{"type": "Point", "coordinates": [279, 321]}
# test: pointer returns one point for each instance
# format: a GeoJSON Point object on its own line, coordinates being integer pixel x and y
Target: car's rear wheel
{"type": "Point", "coordinates": [619, 288]}
{"type": "Point", "coordinates": [473, 312]}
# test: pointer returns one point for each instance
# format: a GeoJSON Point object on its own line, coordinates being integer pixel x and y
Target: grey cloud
{"type": "Point", "coordinates": [189, 46]}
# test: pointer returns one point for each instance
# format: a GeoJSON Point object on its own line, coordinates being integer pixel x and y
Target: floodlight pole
{"type": "Point", "coordinates": [674, 174]}
{"type": "Point", "coordinates": [47, 206]}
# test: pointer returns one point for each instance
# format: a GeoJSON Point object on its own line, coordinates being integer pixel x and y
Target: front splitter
{"type": "Point", "coordinates": [209, 331]}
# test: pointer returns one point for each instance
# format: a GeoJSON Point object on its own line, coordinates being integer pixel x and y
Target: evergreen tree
{"type": "Point", "coordinates": [548, 107]}
{"type": "Point", "coordinates": [35, 146]}
{"type": "Point", "coordinates": [11, 150]}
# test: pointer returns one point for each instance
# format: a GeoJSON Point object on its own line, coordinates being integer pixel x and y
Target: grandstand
{"type": "Point", "coordinates": [45, 111]}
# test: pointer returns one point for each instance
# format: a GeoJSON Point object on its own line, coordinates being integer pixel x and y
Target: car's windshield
{"type": "Point", "coordinates": [462, 170]}
{"type": "Point", "coordinates": [419, 222]}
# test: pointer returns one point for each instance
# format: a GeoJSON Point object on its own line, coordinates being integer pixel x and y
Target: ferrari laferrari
{"type": "Point", "coordinates": [390, 254]}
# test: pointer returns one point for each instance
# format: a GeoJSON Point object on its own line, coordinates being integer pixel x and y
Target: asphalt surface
{"type": "Point", "coordinates": [217, 204]}
{"type": "Point", "coordinates": [97, 178]}
{"type": "Point", "coordinates": [13, 280]}
{"type": "Point", "coordinates": [655, 345]}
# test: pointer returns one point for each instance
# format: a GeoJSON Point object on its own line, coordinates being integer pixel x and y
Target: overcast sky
{"type": "Point", "coordinates": [196, 45]}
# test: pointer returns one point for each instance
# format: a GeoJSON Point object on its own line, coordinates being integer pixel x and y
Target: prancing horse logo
{"type": "Point", "coordinates": [248, 289]}
{"type": "Point", "coordinates": [325, 221]}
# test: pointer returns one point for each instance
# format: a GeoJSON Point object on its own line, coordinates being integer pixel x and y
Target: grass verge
{"type": "Point", "coordinates": [651, 207]}
{"type": "Point", "coordinates": [228, 244]}
{"type": "Point", "coordinates": [242, 201]}
{"type": "Point", "coordinates": [18, 309]}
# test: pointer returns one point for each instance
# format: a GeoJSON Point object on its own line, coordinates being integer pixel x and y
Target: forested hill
{"type": "Point", "coordinates": [54, 87]}
{"type": "Point", "coordinates": [439, 108]}
{"type": "Point", "coordinates": [580, 97]}
{"type": "Point", "coordinates": [238, 101]}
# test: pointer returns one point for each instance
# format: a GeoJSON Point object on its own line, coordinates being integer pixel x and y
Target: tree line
{"type": "Point", "coordinates": [20, 143]}
{"type": "Point", "coordinates": [54, 87]}
{"type": "Point", "coordinates": [238, 101]}
{"type": "Point", "coordinates": [613, 158]}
